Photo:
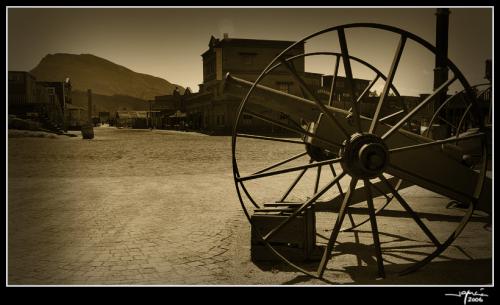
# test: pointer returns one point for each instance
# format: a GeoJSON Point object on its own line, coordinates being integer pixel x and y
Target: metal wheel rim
{"type": "Point", "coordinates": [458, 75]}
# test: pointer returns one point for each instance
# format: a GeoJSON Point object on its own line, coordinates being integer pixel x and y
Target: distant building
{"type": "Point", "coordinates": [39, 100]}
{"type": "Point", "coordinates": [168, 107]}
{"type": "Point", "coordinates": [212, 111]}
{"type": "Point", "coordinates": [58, 90]}
{"type": "Point", "coordinates": [132, 119]}
{"type": "Point", "coordinates": [22, 89]}
{"type": "Point", "coordinates": [75, 116]}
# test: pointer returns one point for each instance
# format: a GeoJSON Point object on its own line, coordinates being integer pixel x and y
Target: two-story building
{"type": "Point", "coordinates": [212, 111]}
{"type": "Point", "coordinates": [39, 100]}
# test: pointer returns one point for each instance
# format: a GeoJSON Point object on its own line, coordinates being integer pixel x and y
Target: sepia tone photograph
{"type": "Point", "coordinates": [256, 146]}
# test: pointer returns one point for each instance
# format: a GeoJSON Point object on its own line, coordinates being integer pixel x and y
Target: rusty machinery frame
{"type": "Point", "coordinates": [368, 148]}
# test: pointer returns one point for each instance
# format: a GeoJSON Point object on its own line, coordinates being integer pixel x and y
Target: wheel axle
{"type": "Point", "coordinates": [364, 156]}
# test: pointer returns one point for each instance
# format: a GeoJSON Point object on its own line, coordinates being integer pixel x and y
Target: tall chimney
{"type": "Point", "coordinates": [441, 70]}
{"type": "Point", "coordinates": [89, 106]}
{"type": "Point", "coordinates": [226, 35]}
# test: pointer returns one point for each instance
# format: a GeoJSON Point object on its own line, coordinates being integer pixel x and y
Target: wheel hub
{"type": "Point", "coordinates": [364, 156]}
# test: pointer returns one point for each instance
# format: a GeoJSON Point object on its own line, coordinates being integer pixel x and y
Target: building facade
{"type": "Point", "coordinates": [39, 100]}
{"type": "Point", "coordinates": [213, 111]}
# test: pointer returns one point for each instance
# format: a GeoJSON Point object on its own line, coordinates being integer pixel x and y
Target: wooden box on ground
{"type": "Point", "coordinates": [296, 241]}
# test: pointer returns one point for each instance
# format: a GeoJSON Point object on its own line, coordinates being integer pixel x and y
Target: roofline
{"type": "Point", "coordinates": [223, 41]}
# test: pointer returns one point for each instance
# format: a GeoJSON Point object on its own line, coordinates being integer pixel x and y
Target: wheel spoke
{"type": "Point", "coordinates": [462, 119]}
{"type": "Point", "coordinates": [288, 170]}
{"type": "Point", "coordinates": [302, 207]}
{"type": "Point", "coordinates": [251, 136]}
{"type": "Point", "coordinates": [348, 73]}
{"type": "Point", "coordinates": [436, 113]}
{"type": "Point", "coordinates": [296, 130]}
{"type": "Point", "coordinates": [336, 228]}
{"type": "Point", "coordinates": [374, 185]}
{"type": "Point", "coordinates": [280, 163]}
{"type": "Point", "coordinates": [320, 105]}
{"type": "Point", "coordinates": [294, 183]}
{"type": "Point", "coordinates": [338, 182]}
{"type": "Point", "coordinates": [351, 219]}
{"type": "Point", "coordinates": [367, 89]}
{"type": "Point", "coordinates": [388, 83]}
{"type": "Point", "coordinates": [445, 121]}
{"type": "Point", "coordinates": [417, 108]}
{"type": "Point", "coordinates": [318, 177]}
{"type": "Point", "coordinates": [438, 142]}
{"type": "Point", "coordinates": [334, 81]}
{"type": "Point", "coordinates": [373, 221]}
{"type": "Point", "coordinates": [391, 115]}
{"type": "Point", "coordinates": [412, 213]}
{"type": "Point", "coordinates": [248, 195]}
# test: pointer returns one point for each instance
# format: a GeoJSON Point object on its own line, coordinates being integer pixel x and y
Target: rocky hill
{"type": "Point", "coordinates": [104, 77]}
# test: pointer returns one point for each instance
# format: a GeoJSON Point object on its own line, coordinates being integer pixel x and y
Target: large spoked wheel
{"type": "Point", "coordinates": [367, 155]}
{"type": "Point", "coordinates": [464, 119]}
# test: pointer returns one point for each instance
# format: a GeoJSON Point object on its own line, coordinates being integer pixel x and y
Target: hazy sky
{"type": "Point", "coordinates": [168, 42]}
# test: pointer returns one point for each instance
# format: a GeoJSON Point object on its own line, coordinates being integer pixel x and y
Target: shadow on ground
{"type": "Point", "coordinates": [444, 270]}
{"type": "Point", "coordinates": [453, 272]}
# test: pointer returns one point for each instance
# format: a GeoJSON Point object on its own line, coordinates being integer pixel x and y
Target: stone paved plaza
{"type": "Point", "coordinates": [158, 207]}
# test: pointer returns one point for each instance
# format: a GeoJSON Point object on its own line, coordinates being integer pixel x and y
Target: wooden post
{"type": "Point", "coordinates": [88, 128]}
{"type": "Point", "coordinates": [151, 115]}
{"type": "Point", "coordinates": [89, 106]}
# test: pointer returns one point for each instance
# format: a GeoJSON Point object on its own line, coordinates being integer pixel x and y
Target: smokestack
{"type": "Point", "coordinates": [89, 107]}
{"type": "Point", "coordinates": [440, 67]}
{"type": "Point", "coordinates": [441, 70]}
{"type": "Point", "coordinates": [226, 35]}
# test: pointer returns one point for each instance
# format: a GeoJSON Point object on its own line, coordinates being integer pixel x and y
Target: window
{"type": "Point", "coordinates": [284, 86]}
{"type": "Point", "coordinates": [248, 58]}
{"type": "Point", "coordinates": [210, 67]}
{"type": "Point", "coordinates": [51, 90]}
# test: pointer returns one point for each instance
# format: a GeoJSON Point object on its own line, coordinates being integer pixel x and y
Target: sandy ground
{"type": "Point", "coordinates": [160, 207]}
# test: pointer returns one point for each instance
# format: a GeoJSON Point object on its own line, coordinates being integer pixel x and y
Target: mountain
{"type": "Point", "coordinates": [104, 77]}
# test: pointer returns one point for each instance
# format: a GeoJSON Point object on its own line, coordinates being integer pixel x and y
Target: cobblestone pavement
{"type": "Point", "coordinates": [113, 236]}
{"type": "Point", "coordinates": [141, 207]}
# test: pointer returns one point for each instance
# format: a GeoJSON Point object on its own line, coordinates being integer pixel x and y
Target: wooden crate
{"type": "Point", "coordinates": [296, 240]}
